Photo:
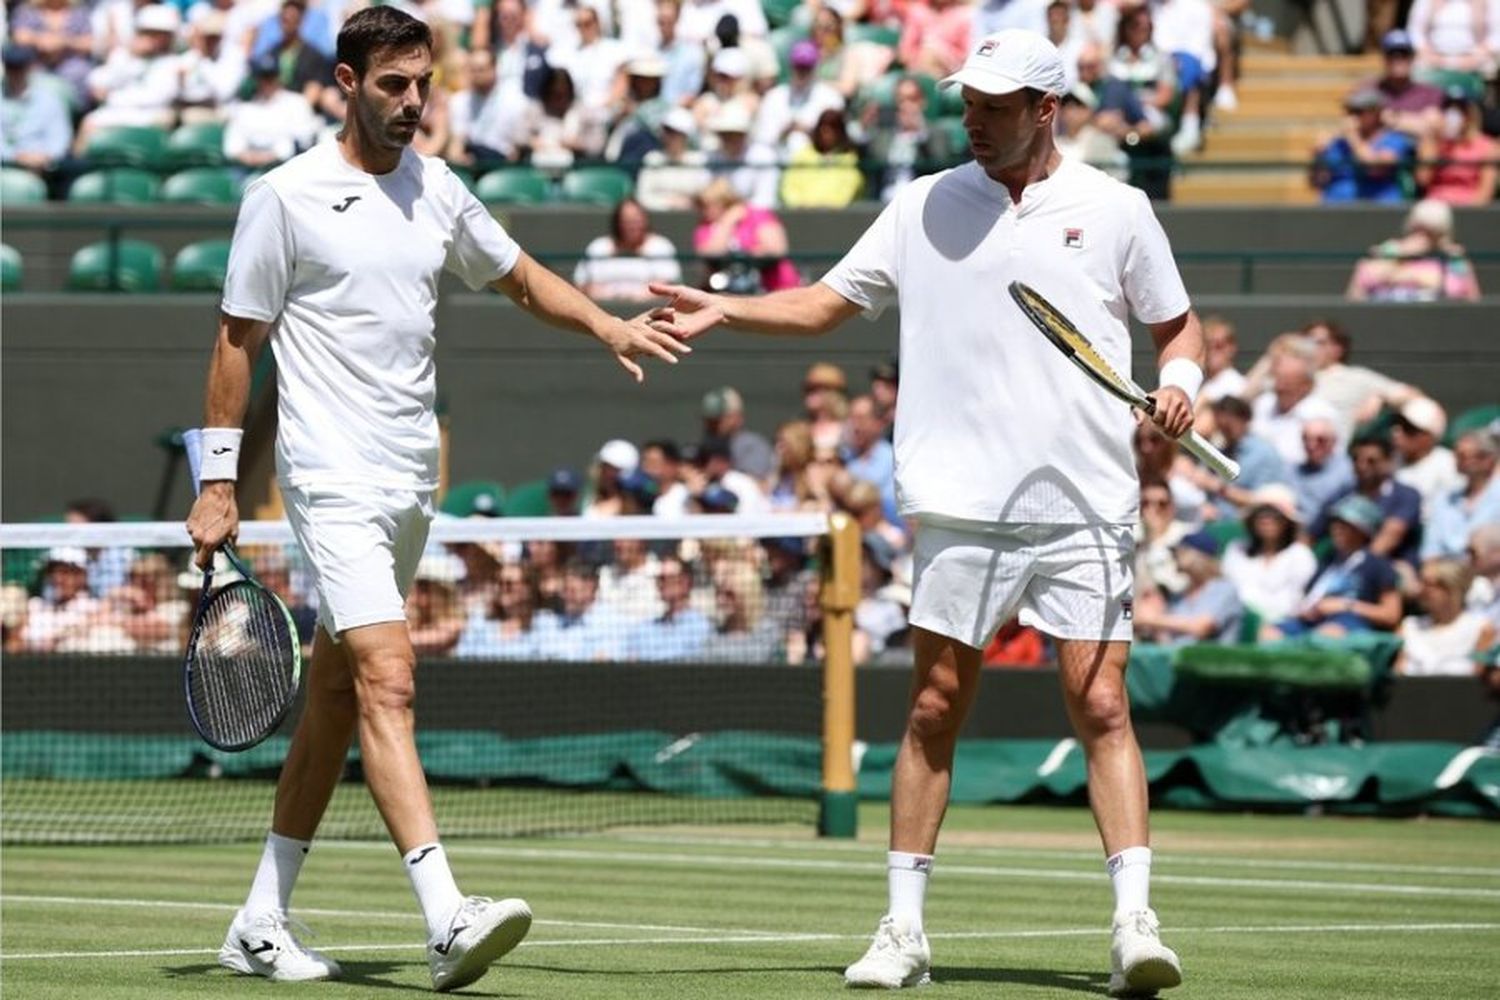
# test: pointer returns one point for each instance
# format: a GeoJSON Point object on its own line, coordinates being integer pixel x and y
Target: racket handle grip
{"type": "Point", "coordinates": [1202, 449]}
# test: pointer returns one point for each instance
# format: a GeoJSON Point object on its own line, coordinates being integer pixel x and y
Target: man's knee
{"type": "Point", "coordinates": [1102, 710]}
{"type": "Point", "coordinates": [385, 682]}
{"type": "Point", "coordinates": [935, 713]}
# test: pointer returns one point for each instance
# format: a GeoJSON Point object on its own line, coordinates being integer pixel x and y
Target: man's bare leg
{"type": "Point", "coordinates": [320, 745]}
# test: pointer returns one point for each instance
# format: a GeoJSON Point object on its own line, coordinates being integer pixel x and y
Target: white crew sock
{"type": "Point", "coordinates": [907, 874]}
{"type": "Point", "coordinates": [280, 863]}
{"type": "Point", "coordinates": [432, 881]}
{"type": "Point", "coordinates": [1130, 872]}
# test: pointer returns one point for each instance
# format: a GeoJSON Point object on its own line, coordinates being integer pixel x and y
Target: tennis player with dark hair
{"type": "Point", "coordinates": [336, 260]}
{"type": "Point", "coordinates": [1017, 468]}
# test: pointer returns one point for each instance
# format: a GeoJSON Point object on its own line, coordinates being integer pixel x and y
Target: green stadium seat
{"type": "Point", "coordinates": [21, 187]}
{"type": "Point", "coordinates": [120, 184]}
{"type": "Point", "coordinates": [779, 12]}
{"type": "Point", "coordinates": [464, 174]}
{"type": "Point", "coordinates": [202, 186]}
{"type": "Point", "coordinates": [200, 144]}
{"type": "Point", "coordinates": [138, 267]}
{"type": "Point", "coordinates": [882, 91]}
{"type": "Point", "coordinates": [127, 146]}
{"type": "Point", "coordinates": [475, 496]}
{"type": "Point", "coordinates": [877, 34]}
{"type": "Point", "coordinates": [10, 268]}
{"type": "Point", "coordinates": [1471, 420]}
{"type": "Point", "coordinates": [200, 267]}
{"type": "Point", "coordinates": [514, 186]}
{"type": "Point", "coordinates": [782, 40]}
{"type": "Point", "coordinates": [596, 186]}
{"type": "Point", "coordinates": [528, 499]}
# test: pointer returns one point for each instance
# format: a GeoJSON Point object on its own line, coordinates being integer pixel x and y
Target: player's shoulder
{"type": "Point", "coordinates": [286, 179]}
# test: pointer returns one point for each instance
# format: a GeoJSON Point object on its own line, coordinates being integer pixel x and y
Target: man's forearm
{"type": "Point", "coordinates": [555, 302]}
{"type": "Point", "coordinates": [227, 394]}
{"type": "Point", "coordinates": [794, 312]}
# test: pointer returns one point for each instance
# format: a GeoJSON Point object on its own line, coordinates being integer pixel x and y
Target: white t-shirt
{"type": "Point", "coordinates": [345, 264]}
{"type": "Point", "coordinates": [626, 277]}
{"type": "Point", "coordinates": [1226, 383]}
{"type": "Point", "coordinates": [278, 125]}
{"type": "Point", "coordinates": [1434, 476]}
{"type": "Point", "coordinates": [1433, 650]}
{"type": "Point", "coordinates": [1272, 587]}
{"type": "Point", "coordinates": [1346, 387]}
{"type": "Point", "coordinates": [1284, 429]}
{"type": "Point", "coordinates": [994, 424]}
{"type": "Point", "coordinates": [783, 107]}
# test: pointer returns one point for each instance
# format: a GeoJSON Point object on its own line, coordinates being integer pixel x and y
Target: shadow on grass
{"type": "Point", "coordinates": [742, 970]}
{"type": "Point", "coordinates": [367, 975]}
{"type": "Point", "coordinates": [1095, 983]}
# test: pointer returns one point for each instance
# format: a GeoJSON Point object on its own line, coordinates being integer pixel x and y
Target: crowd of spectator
{"type": "Point", "coordinates": [836, 102]}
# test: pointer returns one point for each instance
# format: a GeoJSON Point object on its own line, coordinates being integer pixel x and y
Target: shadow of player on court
{"type": "Point", "coordinates": [364, 975]}
{"type": "Point", "coordinates": [1093, 983]}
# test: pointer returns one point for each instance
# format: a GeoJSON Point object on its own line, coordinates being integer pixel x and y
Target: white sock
{"type": "Point", "coordinates": [1130, 872]}
{"type": "Point", "coordinates": [280, 863]}
{"type": "Point", "coordinates": [432, 881]}
{"type": "Point", "coordinates": [907, 874]}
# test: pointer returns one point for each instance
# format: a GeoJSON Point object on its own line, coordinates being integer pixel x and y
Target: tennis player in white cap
{"type": "Point", "coordinates": [1017, 469]}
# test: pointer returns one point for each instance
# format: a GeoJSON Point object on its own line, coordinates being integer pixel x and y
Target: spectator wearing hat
{"type": "Point", "coordinates": [1080, 137]}
{"type": "Point", "coordinates": [1260, 463]}
{"type": "Point", "coordinates": [272, 125]}
{"type": "Point", "coordinates": [724, 416]}
{"type": "Point", "coordinates": [60, 37]}
{"type": "Point", "coordinates": [1425, 465]}
{"type": "Point", "coordinates": [581, 629]}
{"type": "Point", "coordinates": [672, 177]}
{"type": "Point", "coordinates": [935, 37]}
{"type": "Point", "coordinates": [617, 459]}
{"type": "Point", "coordinates": [764, 63]}
{"type": "Point", "coordinates": [1399, 536]}
{"type": "Point", "coordinates": [1207, 610]}
{"type": "Point", "coordinates": [1424, 264]}
{"type": "Point", "coordinates": [1457, 160]}
{"type": "Point", "coordinates": [1477, 502]}
{"type": "Point", "coordinates": [745, 244]}
{"type": "Point", "coordinates": [483, 116]}
{"type": "Point", "coordinates": [1410, 106]}
{"type": "Point", "coordinates": [1271, 567]}
{"type": "Point", "coordinates": [1443, 639]}
{"type": "Point", "coordinates": [728, 89]}
{"type": "Point", "coordinates": [825, 402]}
{"type": "Point", "coordinates": [825, 172]}
{"type": "Point", "coordinates": [35, 127]}
{"type": "Point", "coordinates": [751, 169]}
{"type": "Point", "coordinates": [434, 613]}
{"type": "Point", "coordinates": [618, 267]}
{"type": "Point", "coordinates": [211, 71]}
{"type": "Point", "coordinates": [716, 459]}
{"type": "Point", "coordinates": [789, 582]}
{"type": "Point", "coordinates": [136, 85]}
{"type": "Point", "coordinates": [638, 111]}
{"type": "Point", "coordinates": [789, 111]}
{"type": "Point", "coordinates": [563, 487]}
{"type": "Point", "coordinates": [152, 610]}
{"type": "Point", "coordinates": [699, 19]}
{"type": "Point", "coordinates": [1454, 36]}
{"type": "Point", "coordinates": [680, 631]}
{"type": "Point", "coordinates": [63, 609]}
{"type": "Point", "coordinates": [1325, 472]}
{"type": "Point", "coordinates": [1365, 161]}
{"type": "Point", "coordinates": [1355, 590]}
{"type": "Point", "coordinates": [503, 630]}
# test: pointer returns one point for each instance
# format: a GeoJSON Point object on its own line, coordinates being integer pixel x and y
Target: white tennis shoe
{"type": "Point", "coordinates": [898, 957]}
{"type": "Point", "coordinates": [1141, 964]}
{"type": "Point", "coordinates": [480, 932]}
{"type": "Point", "coordinates": [267, 946]}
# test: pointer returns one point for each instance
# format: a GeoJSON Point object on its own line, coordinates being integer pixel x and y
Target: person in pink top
{"type": "Point", "coordinates": [935, 38]}
{"type": "Point", "coordinates": [1457, 159]}
{"type": "Point", "coordinates": [729, 227]}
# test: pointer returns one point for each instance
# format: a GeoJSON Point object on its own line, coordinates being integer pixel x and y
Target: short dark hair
{"type": "Point", "coordinates": [375, 28]}
{"type": "Point", "coordinates": [92, 509]}
{"type": "Point", "coordinates": [667, 447]}
{"type": "Point", "coordinates": [1234, 406]}
{"type": "Point", "coordinates": [1372, 441]}
{"type": "Point", "coordinates": [1337, 332]}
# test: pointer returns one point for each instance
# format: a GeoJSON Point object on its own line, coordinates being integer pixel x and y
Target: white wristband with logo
{"type": "Point", "coordinates": [221, 453]}
{"type": "Point", "coordinates": [1183, 374]}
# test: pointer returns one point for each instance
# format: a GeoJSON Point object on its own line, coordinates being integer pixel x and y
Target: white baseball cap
{"type": "Point", "coordinates": [1010, 60]}
{"type": "Point", "coordinates": [158, 17]}
{"type": "Point", "coordinates": [1425, 415]}
{"type": "Point", "coordinates": [621, 454]}
{"type": "Point", "coordinates": [680, 119]}
{"type": "Point", "coordinates": [731, 62]}
{"type": "Point", "coordinates": [731, 117]}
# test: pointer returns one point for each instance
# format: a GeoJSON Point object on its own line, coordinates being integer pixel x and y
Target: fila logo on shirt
{"type": "Point", "coordinates": [1127, 609]}
{"type": "Point", "coordinates": [1073, 238]}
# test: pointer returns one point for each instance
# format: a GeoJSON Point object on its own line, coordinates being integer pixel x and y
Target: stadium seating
{"type": "Point", "coordinates": [10, 268]}
{"type": "Point", "coordinates": [514, 186]}
{"type": "Point", "coordinates": [200, 144]}
{"type": "Point", "coordinates": [779, 12]}
{"type": "Point", "coordinates": [200, 267]}
{"type": "Point", "coordinates": [21, 187]}
{"type": "Point", "coordinates": [202, 186]}
{"type": "Point", "coordinates": [596, 186]}
{"type": "Point", "coordinates": [117, 185]}
{"type": "Point", "coordinates": [464, 174]}
{"type": "Point", "coordinates": [1472, 420]}
{"type": "Point", "coordinates": [528, 499]}
{"type": "Point", "coordinates": [138, 267]}
{"type": "Point", "coordinates": [127, 146]}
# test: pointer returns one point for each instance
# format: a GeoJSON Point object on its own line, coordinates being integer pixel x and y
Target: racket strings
{"type": "Point", "coordinates": [244, 670]}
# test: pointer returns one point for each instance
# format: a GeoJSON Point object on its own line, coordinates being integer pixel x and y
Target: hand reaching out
{"type": "Point", "coordinates": [693, 312]}
{"type": "Point", "coordinates": [654, 333]}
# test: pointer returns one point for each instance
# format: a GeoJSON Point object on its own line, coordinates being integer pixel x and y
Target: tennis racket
{"type": "Point", "coordinates": [243, 662]}
{"type": "Point", "coordinates": [1077, 348]}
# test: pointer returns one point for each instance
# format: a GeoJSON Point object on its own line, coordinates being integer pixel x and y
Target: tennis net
{"type": "Point", "coordinates": [573, 674]}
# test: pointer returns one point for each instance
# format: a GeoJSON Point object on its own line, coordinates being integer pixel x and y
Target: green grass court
{"type": "Point", "coordinates": [1283, 907]}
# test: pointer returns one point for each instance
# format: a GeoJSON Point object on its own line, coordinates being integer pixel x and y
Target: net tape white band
{"type": "Point", "coordinates": [165, 534]}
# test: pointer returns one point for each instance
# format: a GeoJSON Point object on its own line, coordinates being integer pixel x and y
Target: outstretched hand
{"type": "Point", "coordinates": [653, 333]}
{"type": "Point", "coordinates": [696, 311]}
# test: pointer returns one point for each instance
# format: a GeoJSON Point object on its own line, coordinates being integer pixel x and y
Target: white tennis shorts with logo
{"type": "Point", "coordinates": [363, 545]}
{"type": "Point", "coordinates": [1071, 581]}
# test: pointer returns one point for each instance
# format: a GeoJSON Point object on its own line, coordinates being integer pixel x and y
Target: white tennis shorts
{"type": "Point", "coordinates": [1071, 581]}
{"type": "Point", "coordinates": [363, 545]}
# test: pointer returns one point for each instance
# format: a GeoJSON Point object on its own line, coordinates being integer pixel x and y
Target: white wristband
{"type": "Point", "coordinates": [221, 453]}
{"type": "Point", "coordinates": [1184, 375]}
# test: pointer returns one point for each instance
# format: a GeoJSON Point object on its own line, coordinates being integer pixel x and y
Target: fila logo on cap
{"type": "Point", "coordinates": [1073, 238]}
{"type": "Point", "coordinates": [986, 47]}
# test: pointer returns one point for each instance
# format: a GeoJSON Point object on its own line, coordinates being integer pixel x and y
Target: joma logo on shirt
{"type": "Point", "coordinates": [1073, 238]}
{"type": "Point", "coordinates": [351, 199]}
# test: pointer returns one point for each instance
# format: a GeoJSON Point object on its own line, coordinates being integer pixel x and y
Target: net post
{"type": "Point", "coordinates": [838, 811]}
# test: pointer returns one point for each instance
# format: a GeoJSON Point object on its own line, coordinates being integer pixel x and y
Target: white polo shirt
{"type": "Point", "coordinates": [346, 265]}
{"type": "Point", "coordinates": [993, 423]}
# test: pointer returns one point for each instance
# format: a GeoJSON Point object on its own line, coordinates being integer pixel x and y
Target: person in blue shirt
{"type": "Point", "coordinates": [682, 631]}
{"type": "Point", "coordinates": [1399, 536]}
{"type": "Point", "coordinates": [1260, 462]}
{"type": "Point", "coordinates": [582, 630]}
{"type": "Point", "coordinates": [1325, 475]}
{"type": "Point", "coordinates": [869, 456]}
{"type": "Point", "coordinates": [1455, 516]}
{"type": "Point", "coordinates": [1356, 590]}
{"type": "Point", "coordinates": [1208, 610]}
{"type": "Point", "coordinates": [35, 128]}
{"type": "Point", "coordinates": [1366, 161]}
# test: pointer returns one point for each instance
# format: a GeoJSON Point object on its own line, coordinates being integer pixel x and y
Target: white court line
{"type": "Point", "coordinates": [1162, 858]}
{"type": "Point", "coordinates": [1046, 874]}
{"type": "Point", "coordinates": [772, 938]}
